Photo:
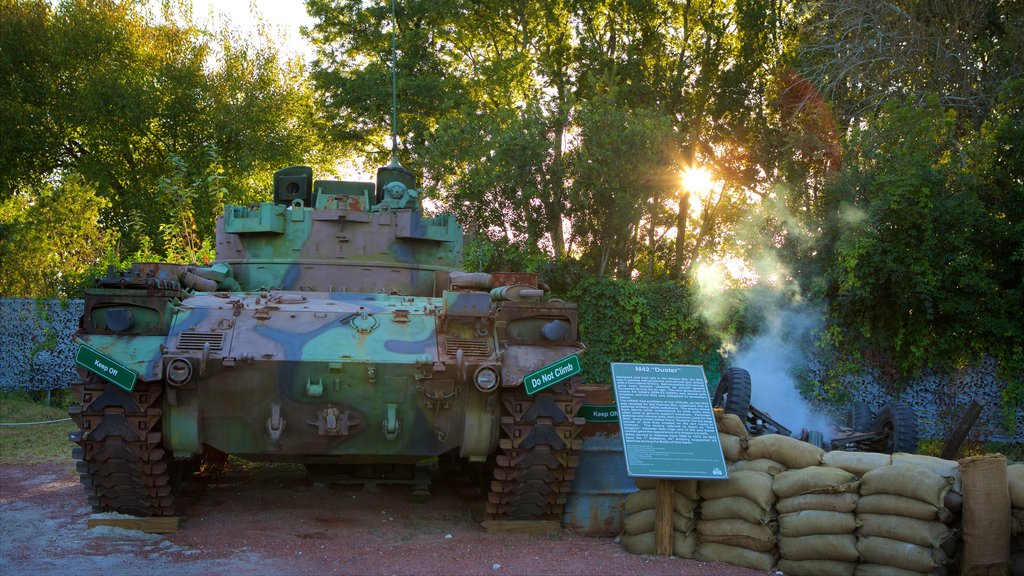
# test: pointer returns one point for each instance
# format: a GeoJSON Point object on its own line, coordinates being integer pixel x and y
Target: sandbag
{"type": "Point", "coordinates": [816, 567]}
{"type": "Point", "coordinates": [684, 545]}
{"type": "Point", "coordinates": [760, 465]}
{"type": "Point", "coordinates": [788, 451]}
{"type": "Point", "coordinates": [814, 480]}
{"type": "Point", "coordinates": [640, 500]}
{"type": "Point", "coordinates": [811, 522]}
{"type": "Point", "coordinates": [868, 569]}
{"type": "Point", "coordinates": [841, 547]}
{"type": "Point", "coordinates": [1015, 478]}
{"type": "Point", "coordinates": [737, 533]}
{"type": "Point", "coordinates": [889, 552]}
{"type": "Point", "coordinates": [756, 486]}
{"type": "Point", "coordinates": [731, 424]}
{"type": "Point", "coordinates": [683, 505]}
{"type": "Point", "coordinates": [906, 480]}
{"type": "Point", "coordinates": [710, 552]}
{"type": "Point", "coordinates": [829, 502]}
{"type": "Point", "coordinates": [945, 468]}
{"type": "Point", "coordinates": [734, 508]}
{"type": "Point", "coordinates": [732, 447]}
{"type": "Point", "coordinates": [1017, 522]}
{"type": "Point", "coordinates": [912, 530]}
{"type": "Point", "coordinates": [857, 463]}
{"type": "Point", "coordinates": [645, 543]}
{"type": "Point", "coordinates": [986, 515]}
{"type": "Point", "coordinates": [902, 506]}
{"type": "Point", "coordinates": [644, 521]}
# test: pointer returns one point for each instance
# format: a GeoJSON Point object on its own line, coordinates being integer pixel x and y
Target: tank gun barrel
{"type": "Point", "coordinates": [517, 293]}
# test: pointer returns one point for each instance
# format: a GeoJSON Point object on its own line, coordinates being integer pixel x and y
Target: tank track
{"type": "Point", "coordinates": [122, 464]}
{"type": "Point", "coordinates": [537, 460]}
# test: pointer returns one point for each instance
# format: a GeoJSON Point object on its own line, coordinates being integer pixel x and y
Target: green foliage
{"type": "Point", "coordinates": [651, 322]}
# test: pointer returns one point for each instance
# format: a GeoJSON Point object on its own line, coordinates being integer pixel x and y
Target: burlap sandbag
{"type": "Point", "coordinates": [814, 480]}
{"type": "Point", "coordinates": [945, 468]}
{"type": "Point", "coordinates": [912, 530]}
{"type": "Point", "coordinates": [684, 545]}
{"type": "Point", "coordinates": [645, 543]}
{"type": "Point", "coordinates": [734, 508]}
{"type": "Point", "coordinates": [1017, 522]}
{"type": "Point", "coordinates": [644, 521]}
{"type": "Point", "coordinates": [683, 505]}
{"type": "Point", "coordinates": [889, 552]}
{"type": "Point", "coordinates": [709, 552]}
{"type": "Point", "coordinates": [687, 488]}
{"type": "Point", "coordinates": [902, 506]}
{"type": "Point", "coordinates": [858, 463]}
{"type": "Point", "coordinates": [641, 500]}
{"type": "Point", "coordinates": [1015, 478]}
{"type": "Point", "coordinates": [732, 447]}
{"type": "Point", "coordinates": [986, 516]}
{"type": "Point", "coordinates": [816, 567]}
{"type": "Point", "coordinates": [756, 486]}
{"type": "Point", "coordinates": [731, 424]}
{"type": "Point", "coordinates": [737, 533]}
{"type": "Point", "coordinates": [841, 547]}
{"type": "Point", "coordinates": [811, 522]}
{"type": "Point", "coordinates": [829, 502]}
{"type": "Point", "coordinates": [907, 480]}
{"type": "Point", "coordinates": [788, 451]}
{"type": "Point", "coordinates": [760, 465]}
{"type": "Point", "coordinates": [868, 569]}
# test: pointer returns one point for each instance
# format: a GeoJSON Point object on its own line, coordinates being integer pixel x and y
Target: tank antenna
{"type": "Point", "coordinates": [394, 87]}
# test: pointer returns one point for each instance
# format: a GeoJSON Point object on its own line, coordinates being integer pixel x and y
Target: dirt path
{"type": "Point", "coordinates": [263, 519]}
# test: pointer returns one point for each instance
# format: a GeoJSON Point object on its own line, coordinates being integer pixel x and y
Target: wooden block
{"type": "Point", "coordinates": [521, 526]}
{"type": "Point", "coordinates": [663, 518]}
{"type": "Point", "coordinates": [152, 525]}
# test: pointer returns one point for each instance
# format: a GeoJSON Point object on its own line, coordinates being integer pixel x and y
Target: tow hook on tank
{"type": "Point", "coordinates": [391, 426]}
{"type": "Point", "coordinates": [333, 422]}
{"type": "Point", "coordinates": [275, 424]}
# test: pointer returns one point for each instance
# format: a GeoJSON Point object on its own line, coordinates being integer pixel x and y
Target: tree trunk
{"type": "Point", "coordinates": [684, 209]}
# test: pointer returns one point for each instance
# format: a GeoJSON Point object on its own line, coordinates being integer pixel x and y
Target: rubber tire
{"type": "Point", "coordinates": [899, 420]}
{"type": "Point", "coordinates": [733, 392]}
{"type": "Point", "coordinates": [858, 418]}
{"type": "Point", "coordinates": [816, 438]}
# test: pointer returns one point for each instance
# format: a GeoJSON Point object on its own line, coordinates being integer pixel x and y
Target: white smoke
{"type": "Point", "coordinates": [775, 357]}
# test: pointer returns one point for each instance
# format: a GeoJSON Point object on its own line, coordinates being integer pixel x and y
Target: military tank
{"type": "Point", "coordinates": [335, 329]}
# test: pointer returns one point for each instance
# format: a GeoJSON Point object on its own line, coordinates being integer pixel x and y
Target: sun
{"type": "Point", "coordinates": [697, 180]}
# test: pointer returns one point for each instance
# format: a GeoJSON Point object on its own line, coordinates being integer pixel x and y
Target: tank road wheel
{"type": "Point", "coordinates": [537, 458]}
{"type": "Point", "coordinates": [122, 464]}
{"type": "Point", "coordinates": [900, 423]}
{"type": "Point", "coordinates": [733, 393]}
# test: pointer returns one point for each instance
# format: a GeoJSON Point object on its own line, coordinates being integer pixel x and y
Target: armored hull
{"type": "Point", "coordinates": [334, 328]}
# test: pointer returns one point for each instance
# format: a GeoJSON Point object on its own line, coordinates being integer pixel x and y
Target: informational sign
{"type": "Point", "coordinates": [598, 413]}
{"type": "Point", "coordinates": [105, 368]}
{"type": "Point", "coordinates": [551, 374]}
{"type": "Point", "coordinates": [668, 425]}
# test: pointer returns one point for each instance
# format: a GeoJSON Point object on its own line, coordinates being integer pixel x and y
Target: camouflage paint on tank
{"type": "Point", "coordinates": [334, 327]}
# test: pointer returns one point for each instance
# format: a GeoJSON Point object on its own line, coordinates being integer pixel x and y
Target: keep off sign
{"type": "Point", "coordinates": [106, 368]}
{"type": "Point", "coordinates": [551, 374]}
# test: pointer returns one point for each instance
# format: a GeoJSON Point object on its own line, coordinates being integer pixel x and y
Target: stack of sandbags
{"type": "Point", "coordinates": [986, 515]}
{"type": "Point", "coordinates": [859, 463]}
{"type": "Point", "coordinates": [902, 521]}
{"type": "Point", "coordinates": [732, 435]}
{"type": "Point", "coordinates": [641, 512]}
{"type": "Point", "coordinates": [736, 521]}
{"type": "Point", "coordinates": [785, 450]}
{"type": "Point", "coordinates": [1015, 480]}
{"type": "Point", "coordinates": [816, 521]}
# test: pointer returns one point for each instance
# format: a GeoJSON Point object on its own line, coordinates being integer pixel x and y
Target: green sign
{"type": "Point", "coordinates": [552, 374]}
{"type": "Point", "coordinates": [105, 367]}
{"type": "Point", "coordinates": [599, 413]}
{"type": "Point", "coordinates": [668, 425]}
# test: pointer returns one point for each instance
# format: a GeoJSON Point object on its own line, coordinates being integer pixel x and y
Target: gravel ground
{"type": "Point", "coordinates": [272, 519]}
